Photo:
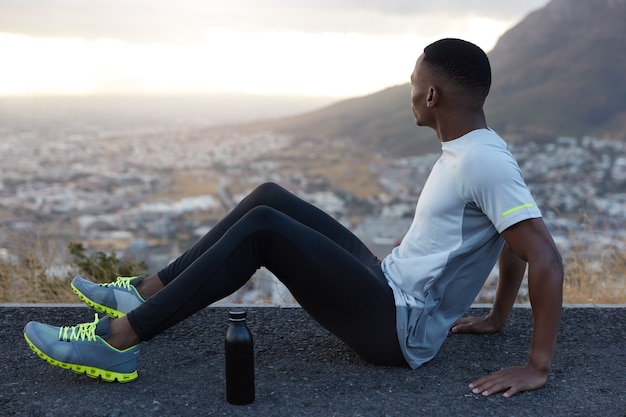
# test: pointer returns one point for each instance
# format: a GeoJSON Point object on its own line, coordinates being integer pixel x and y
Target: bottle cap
{"type": "Point", "coordinates": [237, 315]}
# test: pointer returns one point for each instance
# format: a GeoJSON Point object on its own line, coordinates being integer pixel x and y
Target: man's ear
{"type": "Point", "coordinates": [432, 98]}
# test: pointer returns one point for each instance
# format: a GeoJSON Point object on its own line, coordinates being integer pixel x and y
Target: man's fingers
{"type": "Point", "coordinates": [511, 392]}
{"type": "Point", "coordinates": [489, 385]}
{"type": "Point", "coordinates": [472, 326]}
{"type": "Point", "coordinates": [467, 319]}
{"type": "Point", "coordinates": [463, 325]}
{"type": "Point", "coordinates": [511, 380]}
{"type": "Point", "coordinates": [460, 328]}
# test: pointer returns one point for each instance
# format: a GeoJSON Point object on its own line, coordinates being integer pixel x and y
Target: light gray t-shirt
{"type": "Point", "coordinates": [474, 192]}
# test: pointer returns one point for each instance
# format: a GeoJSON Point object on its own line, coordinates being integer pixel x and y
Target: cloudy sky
{"type": "Point", "coordinates": [296, 47]}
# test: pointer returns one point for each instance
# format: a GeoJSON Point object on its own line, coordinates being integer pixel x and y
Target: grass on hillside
{"type": "Point", "coordinates": [41, 267]}
{"type": "Point", "coordinates": [600, 280]}
{"type": "Point", "coordinates": [25, 277]}
{"type": "Point", "coordinates": [25, 273]}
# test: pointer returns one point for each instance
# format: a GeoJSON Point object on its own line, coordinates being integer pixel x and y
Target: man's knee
{"type": "Point", "coordinates": [269, 188]}
{"type": "Point", "coordinates": [269, 193]}
{"type": "Point", "coordinates": [263, 215]}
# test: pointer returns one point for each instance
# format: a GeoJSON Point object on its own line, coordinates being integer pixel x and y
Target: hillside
{"type": "Point", "coordinates": [558, 72]}
{"type": "Point", "coordinates": [380, 121]}
{"type": "Point", "coordinates": [561, 71]}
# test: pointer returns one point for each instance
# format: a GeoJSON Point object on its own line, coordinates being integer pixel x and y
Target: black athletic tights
{"type": "Point", "coordinates": [328, 270]}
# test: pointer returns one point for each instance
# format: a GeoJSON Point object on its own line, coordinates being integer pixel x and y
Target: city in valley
{"type": "Point", "coordinates": [147, 191]}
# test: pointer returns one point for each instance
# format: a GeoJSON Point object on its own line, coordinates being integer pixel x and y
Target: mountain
{"type": "Point", "coordinates": [560, 71]}
{"type": "Point", "coordinates": [380, 121]}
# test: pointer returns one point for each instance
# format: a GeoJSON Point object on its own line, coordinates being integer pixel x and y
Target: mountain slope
{"type": "Point", "coordinates": [381, 121]}
{"type": "Point", "coordinates": [560, 71]}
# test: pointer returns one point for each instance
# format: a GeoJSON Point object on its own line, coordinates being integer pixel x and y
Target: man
{"type": "Point", "coordinates": [474, 208]}
{"type": "Point", "coordinates": [448, 96]}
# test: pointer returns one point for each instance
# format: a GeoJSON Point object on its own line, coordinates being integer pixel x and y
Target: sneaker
{"type": "Point", "coordinates": [115, 299]}
{"type": "Point", "coordinates": [82, 349]}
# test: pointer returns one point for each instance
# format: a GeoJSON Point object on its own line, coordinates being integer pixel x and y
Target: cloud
{"type": "Point", "coordinates": [452, 8]}
{"type": "Point", "coordinates": [188, 21]}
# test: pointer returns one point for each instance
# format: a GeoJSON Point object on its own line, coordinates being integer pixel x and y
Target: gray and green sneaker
{"type": "Point", "coordinates": [115, 299]}
{"type": "Point", "coordinates": [82, 349]}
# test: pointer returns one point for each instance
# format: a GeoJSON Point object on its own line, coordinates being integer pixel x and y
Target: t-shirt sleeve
{"type": "Point", "coordinates": [494, 183]}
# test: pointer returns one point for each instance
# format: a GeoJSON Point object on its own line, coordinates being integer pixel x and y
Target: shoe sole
{"type": "Point", "coordinates": [90, 371]}
{"type": "Point", "coordinates": [111, 312]}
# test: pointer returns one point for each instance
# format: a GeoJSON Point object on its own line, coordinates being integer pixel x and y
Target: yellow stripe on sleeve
{"type": "Point", "coordinates": [518, 208]}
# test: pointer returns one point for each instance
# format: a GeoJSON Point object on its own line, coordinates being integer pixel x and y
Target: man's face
{"type": "Point", "coordinates": [419, 92]}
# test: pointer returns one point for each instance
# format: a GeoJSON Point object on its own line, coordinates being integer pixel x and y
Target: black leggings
{"type": "Point", "coordinates": [328, 270]}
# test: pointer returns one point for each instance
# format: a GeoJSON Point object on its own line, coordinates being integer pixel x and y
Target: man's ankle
{"type": "Point", "coordinates": [149, 286]}
{"type": "Point", "coordinates": [122, 336]}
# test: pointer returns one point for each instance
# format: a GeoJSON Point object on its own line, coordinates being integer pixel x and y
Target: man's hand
{"type": "Point", "coordinates": [513, 380]}
{"type": "Point", "coordinates": [483, 324]}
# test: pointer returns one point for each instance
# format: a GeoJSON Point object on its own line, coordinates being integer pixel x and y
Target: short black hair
{"type": "Point", "coordinates": [462, 62]}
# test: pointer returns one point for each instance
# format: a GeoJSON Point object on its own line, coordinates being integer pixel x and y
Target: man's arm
{"type": "Point", "coordinates": [530, 241]}
{"type": "Point", "coordinates": [512, 269]}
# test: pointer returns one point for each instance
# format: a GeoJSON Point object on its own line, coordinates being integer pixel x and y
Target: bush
{"type": "Point", "coordinates": [103, 267]}
{"type": "Point", "coordinates": [27, 277]}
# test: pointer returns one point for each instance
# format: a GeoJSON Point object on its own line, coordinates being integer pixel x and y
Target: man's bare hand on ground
{"type": "Point", "coordinates": [510, 380]}
{"type": "Point", "coordinates": [481, 325]}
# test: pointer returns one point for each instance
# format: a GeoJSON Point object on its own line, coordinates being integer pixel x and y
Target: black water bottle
{"type": "Point", "coordinates": [239, 353]}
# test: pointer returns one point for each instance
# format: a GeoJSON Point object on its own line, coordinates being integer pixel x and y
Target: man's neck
{"type": "Point", "coordinates": [459, 124]}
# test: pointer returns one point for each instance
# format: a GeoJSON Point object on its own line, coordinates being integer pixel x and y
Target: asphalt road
{"type": "Point", "coordinates": [302, 370]}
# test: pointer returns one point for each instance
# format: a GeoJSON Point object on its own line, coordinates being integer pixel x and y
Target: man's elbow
{"type": "Point", "coordinates": [547, 266]}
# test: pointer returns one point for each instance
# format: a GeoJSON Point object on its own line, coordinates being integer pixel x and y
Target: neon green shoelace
{"type": "Point", "coordinates": [122, 282]}
{"type": "Point", "coordinates": [79, 332]}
